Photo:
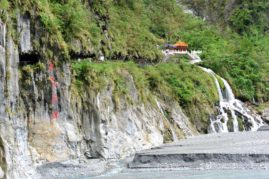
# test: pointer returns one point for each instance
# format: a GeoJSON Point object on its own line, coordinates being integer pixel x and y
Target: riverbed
{"type": "Point", "coordinates": [187, 174]}
{"type": "Point", "coordinates": [227, 155]}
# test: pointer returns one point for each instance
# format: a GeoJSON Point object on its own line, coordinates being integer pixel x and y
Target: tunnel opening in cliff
{"type": "Point", "coordinates": [29, 58]}
{"type": "Point", "coordinates": [82, 56]}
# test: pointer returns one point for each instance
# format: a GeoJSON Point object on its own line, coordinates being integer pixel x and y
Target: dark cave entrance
{"type": "Point", "coordinates": [29, 58]}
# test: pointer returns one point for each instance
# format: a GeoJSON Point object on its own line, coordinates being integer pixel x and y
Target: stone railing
{"type": "Point", "coordinates": [193, 55]}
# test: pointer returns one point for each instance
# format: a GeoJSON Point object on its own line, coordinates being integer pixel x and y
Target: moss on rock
{"type": "Point", "coordinates": [184, 83]}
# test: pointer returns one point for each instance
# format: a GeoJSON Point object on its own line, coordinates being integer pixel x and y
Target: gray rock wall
{"type": "Point", "coordinates": [90, 124]}
{"type": "Point", "coordinates": [15, 154]}
{"type": "Point", "coordinates": [24, 31]}
{"type": "Point", "coordinates": [2, 66]}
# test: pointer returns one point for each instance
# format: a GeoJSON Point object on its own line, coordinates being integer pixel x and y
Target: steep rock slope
{"type": "Point", "coordinates": [89, 124]}
{"type": "Point", "coordinates": [49, 113]}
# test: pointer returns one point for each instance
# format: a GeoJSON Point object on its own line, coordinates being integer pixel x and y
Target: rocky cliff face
{"type": "Point", "coordinates": [212, 11]}
{"type": "Point", "coordinates": [90, 124]}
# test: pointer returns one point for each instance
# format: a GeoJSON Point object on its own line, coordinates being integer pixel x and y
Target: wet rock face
{"type": "Point", "coordinates": [92, 125]}
{"type": "Point", "coordinates": [24, 30]}
{"type": "Point", "coordinates": [89, 126]}
{"type": "Point", "coordinates": [117, 129]}
{"type": "Point", "coordinates": [2, 96]}
{"type": "Point", "coordinates": [265, 115]}
{"type": "Point", "coordinates": [2, 33]}
{"type": "Point", "coordinates": [3, 163]}
{"type": "Point", "coordinates": [12, 71]}
{"type": "Point", "coordinates": [15, 157]}
{"type": "Point", "coordinates": [2, 65]}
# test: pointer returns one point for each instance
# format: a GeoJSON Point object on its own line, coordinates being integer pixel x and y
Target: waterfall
{"type": "Point", "coordinates": [230, 107]}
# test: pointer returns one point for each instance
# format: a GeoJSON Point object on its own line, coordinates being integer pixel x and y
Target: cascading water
{"type": "Point", "coordinates": [229, 106]}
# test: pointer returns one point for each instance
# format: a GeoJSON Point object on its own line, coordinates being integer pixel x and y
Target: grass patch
{"type": "Point", "coordinates": [182, 82]}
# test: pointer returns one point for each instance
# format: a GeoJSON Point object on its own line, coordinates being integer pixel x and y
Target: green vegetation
{"type": "Point", "coordinates": [242, 60]}
{"type": "Point", "coordinates": [165, 79]}
{"type": "Point", "coordinates": [236, 46]}
{"type": "Point", "coordinates": [241, 16]}
{"type": "Point", "coordinates": [4, 6]}
{"type": "Point", "coordinates": [182, 82]}
{"type": "Point", "coordinates": [61, 25]}
{"type": "Point", "coordinates": [119, 29]}
{"type": "Point", "coordinates": [236, 51]}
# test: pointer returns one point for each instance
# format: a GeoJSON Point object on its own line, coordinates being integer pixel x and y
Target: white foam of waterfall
{"type": "Point", "coordinates": [221, 121]}
{"type": "Point", "coordinates": [175, 139]}
{"type": "Point", "coordinates": [228, 103]}
{"type": "Point", "coordinates": [231, 99]}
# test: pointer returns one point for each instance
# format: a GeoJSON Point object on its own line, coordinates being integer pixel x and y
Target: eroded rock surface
{"type": "Point", "coordinates": [91, 124]}
{"type": "Point", "coordinates": [24, 30]}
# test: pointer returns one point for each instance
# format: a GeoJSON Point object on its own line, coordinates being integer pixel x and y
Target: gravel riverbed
{"type": "Point", "coordinates": [230, 155]}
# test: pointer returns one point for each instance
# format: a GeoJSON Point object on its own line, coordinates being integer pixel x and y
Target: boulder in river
{"type": "Point", "coordinates": [265, 115]}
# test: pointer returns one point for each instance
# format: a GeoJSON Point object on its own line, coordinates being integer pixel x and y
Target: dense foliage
{"type": "Point", "coordinates": [242, 16]}
{"type": "Point", "coordinates": [235, 46]}
{"type": "Point", "coordinates": [238, 52]}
